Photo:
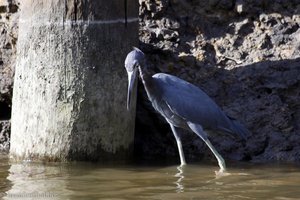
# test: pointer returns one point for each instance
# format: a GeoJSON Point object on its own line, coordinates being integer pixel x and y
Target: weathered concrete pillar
{"type": "Point", "coordinates": [69, 98]}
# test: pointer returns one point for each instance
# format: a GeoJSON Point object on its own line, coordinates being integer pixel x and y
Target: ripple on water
{"type": "Point", "coordinates": [92, 181]}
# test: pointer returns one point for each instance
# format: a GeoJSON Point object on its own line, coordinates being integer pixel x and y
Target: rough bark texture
{"type": "Point", "coordinates": [245, 55]}
{"type": "Point", "coordinates": [69, 99]}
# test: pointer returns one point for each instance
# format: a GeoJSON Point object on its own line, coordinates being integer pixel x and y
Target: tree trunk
{"type": "Point", "coordinates": [69, 98]}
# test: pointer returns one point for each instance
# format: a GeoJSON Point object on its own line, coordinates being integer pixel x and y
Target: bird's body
{"type": "Point", "coordinates": [184, 105]}
{"type": "Point", "coordinates": [180, 101]}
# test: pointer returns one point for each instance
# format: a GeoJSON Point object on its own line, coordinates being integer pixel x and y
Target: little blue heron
{"type": "Point", "coordinates": [182, 104]}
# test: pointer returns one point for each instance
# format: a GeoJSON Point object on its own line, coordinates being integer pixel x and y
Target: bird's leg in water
{"type": "Point", "coordinates": [200, 132]}
{"type": "Point", "coordinates": [221, 161]}
{"type": "Point", "coordinates": [179, 145]}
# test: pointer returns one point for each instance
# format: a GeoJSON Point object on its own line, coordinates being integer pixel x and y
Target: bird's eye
{"type": "Point", "coordinates": [135, 64]}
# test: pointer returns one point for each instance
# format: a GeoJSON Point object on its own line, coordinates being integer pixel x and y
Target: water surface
{"type": "Point", "coordinates": [195, 181]}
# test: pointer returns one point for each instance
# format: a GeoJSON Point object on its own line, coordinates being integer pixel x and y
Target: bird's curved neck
{"type": "Point", "coordinates": [145, 76]}
{"type": "Point", "coordinates": [147, 82]}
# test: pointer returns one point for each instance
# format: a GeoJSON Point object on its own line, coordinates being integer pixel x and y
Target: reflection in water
{"type": "Point", "coordinates": [179, 182]}
{"type": "Point", "coordinates": [36, 181]}
{"type": "Point", "coordinates": [5, 184]}
{"type": "Point", "coordinates": [91, 181]}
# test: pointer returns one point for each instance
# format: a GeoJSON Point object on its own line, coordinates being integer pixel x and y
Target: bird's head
{"type": "Point", "coordinates": [133, 61]}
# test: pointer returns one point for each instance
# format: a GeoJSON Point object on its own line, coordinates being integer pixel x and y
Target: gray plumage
{"type": "Point", "coordinates": [186, 102]}
{"type": "Point", "coordinates": [182, 104]}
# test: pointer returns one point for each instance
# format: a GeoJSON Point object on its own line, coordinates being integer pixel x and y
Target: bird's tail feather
{"type": "Point", "coordinates": [240, 129]}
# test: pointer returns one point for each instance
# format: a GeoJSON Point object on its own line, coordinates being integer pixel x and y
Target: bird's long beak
{"type": "Point", "coordinates": [131, 83]}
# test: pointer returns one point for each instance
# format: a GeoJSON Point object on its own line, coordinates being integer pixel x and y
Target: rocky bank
{"type": "Point", "coordinates": [8, 39]}
{"type": "Point", "coordinates": [244, 53]}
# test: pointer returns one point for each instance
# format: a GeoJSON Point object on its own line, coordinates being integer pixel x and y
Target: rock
{"type": "Point", "coordinates": [187, 59]}
{"type": "Point", "coordinates": [264, 41]}
{"type": "Point", "coordinates": [239, 6]}
{"type": "Point", "coordinates": [4, 136]}
{"type": "Point", "coordinates": [8, 38]}
{"type": "Point", "coordinates": [246, 57]}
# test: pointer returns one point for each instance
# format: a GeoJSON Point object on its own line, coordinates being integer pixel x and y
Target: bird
{"type": "Point", "coordinates": [182, 104]}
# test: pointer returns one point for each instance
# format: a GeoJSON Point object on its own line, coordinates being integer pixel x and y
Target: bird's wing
{"type": "Point", "coordinates": [190, 102]}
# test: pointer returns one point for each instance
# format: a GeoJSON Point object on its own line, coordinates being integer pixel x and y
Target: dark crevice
{"type": "Point", "coordinates": [13, 8]}
{"type": "Point", "coordinates": [3, 9]}
{"type": "Point", "coordinates": [5, 111]}
{"type": "Point", "coordinates": [75, 10]}
{"type": "Point", "coordinates": [125, 12]}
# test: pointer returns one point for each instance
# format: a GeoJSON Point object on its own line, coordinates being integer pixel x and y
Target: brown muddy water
{"type": "Point", "coordinates": [28, 180]}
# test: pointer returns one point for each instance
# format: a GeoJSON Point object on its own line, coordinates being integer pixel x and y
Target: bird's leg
{"type": "Point", "coordinates": [179, 145]}
{"type": "Point", "coordinates": [200, 132]}
{"type": "Point", "coordinates": [221, 161]}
